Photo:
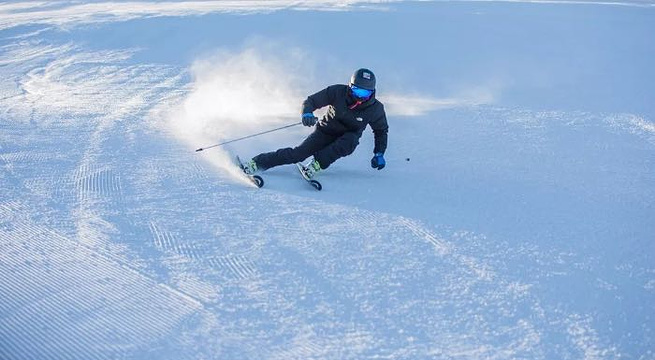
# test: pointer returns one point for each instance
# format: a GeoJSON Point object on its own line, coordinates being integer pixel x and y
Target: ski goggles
{"type": "Point", "coordinates": [360, 93]}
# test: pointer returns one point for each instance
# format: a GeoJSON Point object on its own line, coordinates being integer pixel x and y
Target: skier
{"type": "Point", "coordinates": [337, 133]}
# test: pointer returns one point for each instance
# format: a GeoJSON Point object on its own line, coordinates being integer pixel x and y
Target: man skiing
{"type": "Point", "coordinates": [337, 133]}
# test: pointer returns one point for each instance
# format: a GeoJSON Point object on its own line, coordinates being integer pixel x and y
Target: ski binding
{"type": "Point", "coordinates": [315, 184]}
{"type": "Point", "coordinates": [256, 179]}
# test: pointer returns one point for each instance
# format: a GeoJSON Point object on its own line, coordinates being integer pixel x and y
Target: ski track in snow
{"type": "Point", "coordinates": [64, 299]}
{"type": "Point", "coordinates": [117, 242]}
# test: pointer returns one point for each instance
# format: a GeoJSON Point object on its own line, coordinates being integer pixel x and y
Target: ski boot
{"type": "Point", "coordinates": [249, 167]}
{"type": "Point", "coordinates": [311, 169]}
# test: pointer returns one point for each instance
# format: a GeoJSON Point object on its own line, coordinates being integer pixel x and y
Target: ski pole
{"type": "Point", "coordinates": [249, 136]}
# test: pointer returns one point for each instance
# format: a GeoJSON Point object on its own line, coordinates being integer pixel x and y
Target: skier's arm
{"type": "Point", "coordinates": [322, 98]}
{"type": "Point", "coordinates": [380, 129]}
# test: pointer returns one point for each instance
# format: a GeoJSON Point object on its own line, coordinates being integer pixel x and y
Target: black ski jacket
{"type": "Point", "coordinates": [340, 119]}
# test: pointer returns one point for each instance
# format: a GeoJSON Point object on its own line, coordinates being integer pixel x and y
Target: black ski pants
{"type": "Point", "coordinates": [325, 148]}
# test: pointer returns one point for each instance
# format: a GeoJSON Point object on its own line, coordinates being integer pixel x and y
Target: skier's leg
{"type": "Point", "coordinates": [315, 141]}
{"type": "Point", "coordinates": [342, 146]}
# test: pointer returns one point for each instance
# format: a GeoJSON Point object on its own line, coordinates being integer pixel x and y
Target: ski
{"type": "Point", "coordinates": [256, 179]}
{"type": "Point", "coordinates": [315, 184]}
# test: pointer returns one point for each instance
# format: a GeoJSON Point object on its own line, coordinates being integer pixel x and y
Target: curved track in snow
{"type": "Point", "coordinates": [510, 233]}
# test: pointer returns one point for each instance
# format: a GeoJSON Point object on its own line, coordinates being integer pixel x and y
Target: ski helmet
{"type": "Point", "coordinates": [364, 79]}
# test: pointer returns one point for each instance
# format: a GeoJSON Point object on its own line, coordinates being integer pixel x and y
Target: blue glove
{"type": "Point", "coordinates": [377, 162]}
{"type": "Point", "coordinates": [308, 119]}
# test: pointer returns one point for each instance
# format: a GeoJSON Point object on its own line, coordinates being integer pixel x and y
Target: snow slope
{"type": "Point", "coordinates": [514, 220]}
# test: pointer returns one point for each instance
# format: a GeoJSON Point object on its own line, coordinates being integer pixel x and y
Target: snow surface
{"type": "Point", "coordinates": [515, 218]}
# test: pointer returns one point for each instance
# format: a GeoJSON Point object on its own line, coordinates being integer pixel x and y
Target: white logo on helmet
{"type": "Point", "coordinates": [366, 75]}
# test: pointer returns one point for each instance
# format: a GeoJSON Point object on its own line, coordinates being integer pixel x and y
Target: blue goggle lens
{"type": "Point", "coordinates": [360, 93]}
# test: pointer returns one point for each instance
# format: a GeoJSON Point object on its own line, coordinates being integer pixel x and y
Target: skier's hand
{"type": "Point", "coordinates": [308, 119]}
{"type": "Point", "coordinates": [377, 162]}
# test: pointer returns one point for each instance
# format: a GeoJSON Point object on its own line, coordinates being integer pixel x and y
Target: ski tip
{"type": "Point", "coordinates": [258, 180]}
{"type": "Point", "coordinates": [317, 185]}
